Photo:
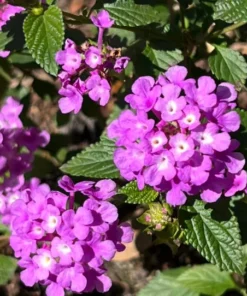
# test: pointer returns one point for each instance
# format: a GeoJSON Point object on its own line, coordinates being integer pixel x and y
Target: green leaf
{"type": "Point", "coordinates": [127, 13]}
{"type": "Point", "coordinates": [7, 268]}
{"type": "Point", "coordinates": [228, 65]}
{"type": "Point", "coordinates": [163, 59]}
{"type": "Point", "coordinates": [44, 36]}
{"type": "Point", "coordinates": [4, 40]}
{"type": "Point", "coordinates": [204, 279]}
{"type": "Point", "coordinates": [165, 284]}
{"type": "Point", "coordinates": [136, 196]}
{"type": "Point", "coordinates": [243, 115]}
{"type": "Point", "coordinates": [231, 11]}
{"type": "Point", "coordinates": [96, 161]}
{"type": "Point", "coordinates": [218, 240]}
{"type": "Point", "coordinates": [207, 279]}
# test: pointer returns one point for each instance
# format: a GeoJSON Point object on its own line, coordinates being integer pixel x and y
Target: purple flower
{"type": "Point", "coordinates": [182, 147]}
{"type": "Point", "coordinates": [226, 92]}
{"type": "Point", "coordinates": [4, 53]}
{"type": "Point", "coordinates": [191, 117]}
{"type": "Point", "coordinates": [45, 264]}
{"type": "Point", "coordinates": [202, 96]}
{"type": "Point", "coordinates": [176, 76]}
{"type": "Point", "coordinates": [54, 289]}
{"type": "Point", "coordinates": [175, 195]}
{"type": "Point", "coordinates": [129, 161]}
{"type": "Point", "coordinates": [67, 252]}
{"type": "Point", "coordinates": [185, 149]}
{"type": "Point", "coordinates": [104, 190]}
{"type": "Point", "coordinates": [51, 218]}
{"type": "Point", "coordinates": [227, 121]}
{"type": "Point", "coordinates": [145, 94]}
{"type": "Point", "coordinates": [99, 89]}
{"type": "Point", "coordinates": [120, 235]}
{"type": "Point", "coordinates": [236, 183]}
{"type": "Point", "coordinates": [93, 57]}
{"type": "Point", "coordinates": [157, 140]}
{"type": "Point", "coordinates": [130, 127]}
{"type": "Point", "coordinates": [163, 167]}
{"type": "Point", "coordinates": [102, 20]}
{"type": "Point", "coordinates": [69, 59]}
{"type": "Point", "coordinates": [209, 139]}
{"type": "Point", "coordinates": [121, 64]}
{"type": "Point", "coordinates": [234, 161]}
{"type": "Point", "coordinates": [7, 11]}
{"type": "Point", "coordinates": [72, 278]}
{"type": "Point", "coordinates": [196, 170]}
{"type": "Point", "coordinates": [172, 105]}
{"type": "Point", "coordinates": [213, 188]}
{"type": "Point", "coordinates": [63, 248]}
{"type": "Point", "coordinates": [66, 184]}
{"type": "Point", "coordinates": [72, 100]}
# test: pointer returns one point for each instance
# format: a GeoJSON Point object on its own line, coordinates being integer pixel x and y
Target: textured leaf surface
{"type": "Point", "coordinates": [127, 13]}
{"type": "Point", "coordinates": [163, 59]}
{"type": "Point", "coordinates": [207, 279]}
{"type": "Point", "coordinates": [228, 65]}
{"type": "Point", "coordinates": [7, 268]}
{"type": "Point", "coordinates": [136, 196]}
{"type": "Point", "coordinates": [96, 161]}
{"type": "Point", "coordinates": [165, 284]}
{"type": "Point", "coordinates": [231, 11]}
{"type": "Point", "coordinates": [44, 36]}
{"type": "Point", "coordinates": [218, 241]}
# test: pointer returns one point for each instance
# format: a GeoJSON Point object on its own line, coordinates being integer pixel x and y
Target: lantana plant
{"type": "Point", "coordinates": [156, 92]}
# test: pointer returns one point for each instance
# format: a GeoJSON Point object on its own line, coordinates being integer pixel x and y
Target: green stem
{"type": "Point", "coordinates": [229, 29]}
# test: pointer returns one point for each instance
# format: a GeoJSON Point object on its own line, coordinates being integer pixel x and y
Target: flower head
{"type": "Point", "coordinates": [102, 20]}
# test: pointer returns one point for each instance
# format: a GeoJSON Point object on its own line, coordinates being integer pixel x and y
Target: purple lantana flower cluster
{"type": "Point", "coordinates": [62, 247]}
{"type": "Point", "coordinates": [17, 146]}
{"type": "Point", "coordinates": [187, 149]}
{"type": "Point", "coordinates": [90, 61]}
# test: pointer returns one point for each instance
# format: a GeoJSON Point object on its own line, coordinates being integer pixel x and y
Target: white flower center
{"type": "Point", "coordinates": [156, 142]}
{"type": "Point", "coordinates": [13, 198]}
{"type": "Point", "coordinates": [189, 119]}
{"type": "Point", "coordinates": [37, 230]}
{"type": "Point", "coordinates": [95, 57]}
{"type": "Point", "coordinates": [141, 126]}
{"type": "Point", "coordinates": [52, 221]}
{"type": "Point", "coordinates": [163, 164]}
{"type": "Point", "coordinates": [171, 107]}
{"type": "Point", "coordinates": [206, 138]}
{"type": "Point", "coordinates": [182, 147]}
{"type": "Point", "coordinates": [65, 249]}
{"type": "Point", "coordinates": [46, 261]}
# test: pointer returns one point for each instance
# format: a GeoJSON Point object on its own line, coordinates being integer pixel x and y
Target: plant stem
{"type": "Point", "coordinates": [71, 200]}
{"type": "Point", "coordinates": [100, 38]}
{"type": "Point", "coordinates": [229, 28]}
